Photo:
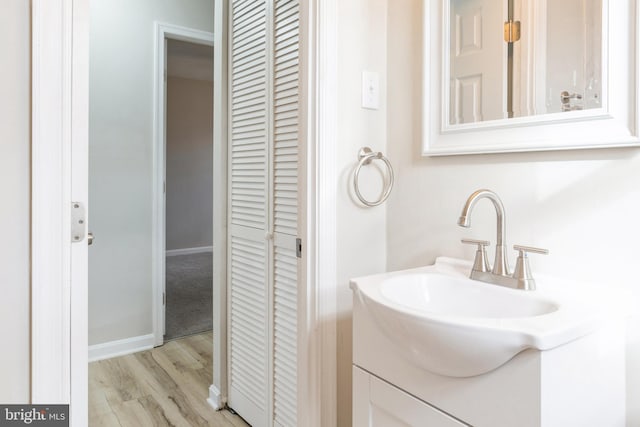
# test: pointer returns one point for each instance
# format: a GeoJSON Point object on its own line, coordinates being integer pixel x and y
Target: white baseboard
{"type": "Point", "coordinates": [216, 400]}
{"type": "Point", "coordinates": [188, 251]}
{"type": "Point", "coordinates": [111, 349]}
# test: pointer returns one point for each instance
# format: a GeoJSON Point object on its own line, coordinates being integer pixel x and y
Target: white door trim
{"type": "Point", "coordinates": [51, 201]}
{"type": "Point", "coordinates": [218, 391]}
{"type": "Point", "coordinates": [60, 72]}
{"type": "Point", "coordinates": [308, 398]}
{"type": "Point", "coordinates": [321, 127]}
{"type": "Point", "coordinates": [163, 32]}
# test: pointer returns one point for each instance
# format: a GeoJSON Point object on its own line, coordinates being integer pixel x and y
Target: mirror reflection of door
{"type": "Point", "coordinates": [478, 64]}
{"type": "Point", "coordinates": [573, 73]}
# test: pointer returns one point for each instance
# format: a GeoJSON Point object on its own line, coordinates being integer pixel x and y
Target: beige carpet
{"type": "Point", "coordinates": [189, 285]}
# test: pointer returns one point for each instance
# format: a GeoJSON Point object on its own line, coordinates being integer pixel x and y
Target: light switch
{"type": "Point", "coordinates": [370, 90]}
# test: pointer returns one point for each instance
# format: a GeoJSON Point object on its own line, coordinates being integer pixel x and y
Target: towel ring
{"type": "Point", "coordinates": [365, 157]}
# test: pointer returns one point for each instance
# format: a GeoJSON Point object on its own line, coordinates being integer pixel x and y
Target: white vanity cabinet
{"type": "Point", "coordinates": [378, 403]}
{"type": "Point", "coordinates": [580, 383]}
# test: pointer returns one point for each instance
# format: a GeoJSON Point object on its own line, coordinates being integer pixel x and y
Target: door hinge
{"type": "Point", "coordinates": [299, 247]}
{"type": "Point", "coordinates": [511, 31]}
{"type": "Point", "coordinates": [78, 222]}
{"type": "Point", "coordinates": [163, 298]}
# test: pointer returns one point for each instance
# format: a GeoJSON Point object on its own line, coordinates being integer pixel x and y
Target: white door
{"type": "Point", "coordinates": [59, 204]}
{"type": "Point", "coordinates": [263, 211]}
{"type": "Point", "coordinates": [573, 55]}
{"type": "Point", "coordinates": [248, 296]}
{"type": "Point", "coordinates": [478, 61]}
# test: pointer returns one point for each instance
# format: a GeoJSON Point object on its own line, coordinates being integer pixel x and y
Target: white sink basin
{"type": "Point", "coordinates": [441, 294]}
{"type": "Point", "coordinates": [448, 324]}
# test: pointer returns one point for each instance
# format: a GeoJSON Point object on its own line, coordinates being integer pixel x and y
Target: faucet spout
{"type": "Point", "coordinates": [500, 266]}
{"type": "Point", "coordinates": [463, 221]}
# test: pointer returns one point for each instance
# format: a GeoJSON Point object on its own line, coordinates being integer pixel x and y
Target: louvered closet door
{"type": "Point", "coordinates": [248, 213]}
{"type": "Point", "coordinates": [263, 211]}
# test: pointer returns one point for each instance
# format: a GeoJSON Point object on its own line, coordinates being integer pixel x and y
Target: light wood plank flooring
{"type": "Point", "coordinates": [166, 386]}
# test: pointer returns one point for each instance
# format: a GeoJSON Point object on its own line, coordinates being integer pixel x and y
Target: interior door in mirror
{"type": "Point", "coordinates": [478, 66]}
{"type": "Point", "coordinates": [574, 55]}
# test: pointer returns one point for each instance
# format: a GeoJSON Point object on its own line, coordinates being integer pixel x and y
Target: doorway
{"type": "Point", "coordinates": [143, 157]}
{"type": "Point", "coordinates": [74, 38]}
{"type": "Point", "coordinates": [183, 205]}
{"type": "Point", "coordinates": [189, 189]}
{"type": "Point", "coordinates": [127, 166]}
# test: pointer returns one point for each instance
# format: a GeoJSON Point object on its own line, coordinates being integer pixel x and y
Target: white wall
{"type": "Point", "coordinates": [120, 161]}
{"type": "Point", "coordinates": [581, 205]}
{"type": "Point", "coordinates": [15, 171]}
{"type": "Point", "coordinates": [361, 231]}
{"type": "Point", "coordinates": [189, 161]}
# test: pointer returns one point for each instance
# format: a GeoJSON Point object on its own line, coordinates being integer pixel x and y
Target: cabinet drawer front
{"type": "Point", "coordinates": [380, 404]}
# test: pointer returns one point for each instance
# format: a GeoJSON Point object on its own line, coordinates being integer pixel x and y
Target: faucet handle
{"type": "Point", "coordinates": [523, 250]}
{"type": "Point", "coordinates": [480, 243]}
{"type": "Point", "coordinates": [480, 263]}
{"type": "Point", "coordinates": [522, 272]}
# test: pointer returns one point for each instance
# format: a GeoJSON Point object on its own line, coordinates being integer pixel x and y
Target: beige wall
{"type": "Point", "coordinates": [189, 163]}
{"type": "Point", "coordinates": [581, 205]}
{"type": "Point", "coordinates": [14, 196]}
{"type": "Point", "coordinates": [361, 231]}
{"type": "Point", "coordinates": [120, 158]}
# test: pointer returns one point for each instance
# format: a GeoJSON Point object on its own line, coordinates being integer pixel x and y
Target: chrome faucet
{"type": "Point", "coordinates": [500, 266]}
{"type": "Point", "coordinates": [499, 274]}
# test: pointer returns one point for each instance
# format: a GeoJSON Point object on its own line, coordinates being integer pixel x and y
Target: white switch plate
{"type": "Point", "coordinates": [370, 90]}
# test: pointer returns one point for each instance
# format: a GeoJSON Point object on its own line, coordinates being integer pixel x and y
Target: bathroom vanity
{"type": "Point", "coordinates": [558, 362]}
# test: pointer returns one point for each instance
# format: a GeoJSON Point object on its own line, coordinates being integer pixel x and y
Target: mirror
{"type": "Point", "coordinates": [554, 75]}
{"type": "Point", "coordinates": [519, 58]}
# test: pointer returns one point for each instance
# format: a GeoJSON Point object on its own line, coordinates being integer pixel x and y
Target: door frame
{"type": "Point", "coordinates": [531, 58]}
{"type": "Point", "coordinates": [163, 32]}
{"type": "Point", "coordinates": [318, 355]}
{"type": "Point", "coordinates": [218, 389]}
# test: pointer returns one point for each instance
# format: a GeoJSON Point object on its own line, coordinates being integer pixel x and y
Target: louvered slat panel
{"type": "Point", "coordinates": [248, 302]}
{"type": "Point", "coordinates": [248, 201]}
{"type": "Point", "coordinates": [286, 120]}
{"type": "Point", "coordinates": [248, 151]}
{"type": "Point", "coordinates": [285, 336]}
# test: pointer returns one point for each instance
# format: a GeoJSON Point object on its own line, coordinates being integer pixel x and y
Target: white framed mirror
{"type": "Point", "coordinates": [529, 75]}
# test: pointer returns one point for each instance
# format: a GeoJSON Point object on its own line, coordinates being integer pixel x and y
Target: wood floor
{"type": "Point", "coordinates": [166, 386]}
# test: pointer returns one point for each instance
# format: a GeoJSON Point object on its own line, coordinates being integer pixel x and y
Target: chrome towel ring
{"type": "Point", "coordinates": [366, 156]}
